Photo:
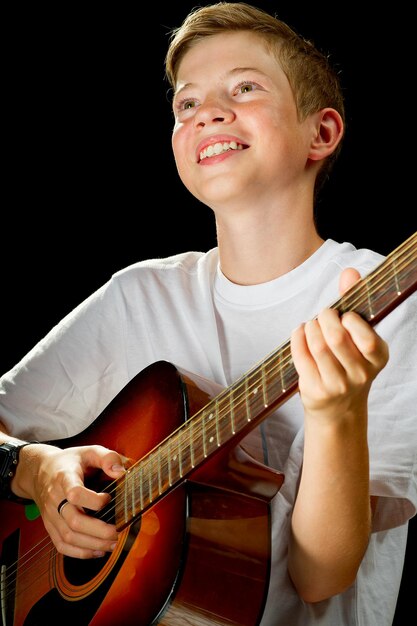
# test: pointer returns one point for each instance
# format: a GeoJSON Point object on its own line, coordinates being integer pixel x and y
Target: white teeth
{"type": "Point", "coordinates": [218, 148]}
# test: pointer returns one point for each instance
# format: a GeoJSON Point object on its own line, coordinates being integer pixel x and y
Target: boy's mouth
{"type": "Point", "coordinates": [218, 148]}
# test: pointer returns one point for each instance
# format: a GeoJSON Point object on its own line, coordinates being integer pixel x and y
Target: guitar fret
{"type": "Point", "coordinates": [154, 479]}
{"type": "Point", "coordinates": [129, 480]}
{"type": "Point", "coordinates": [141, 486]}
{"type": "Point", "coordinates": [169, 463]}
{"type": "Point", "coordinates": [263, 383]}
{"type": "Point", "coordinates": [376, 300]}
{"type": "Point", "coordinates": [239, 407]}
{"type": "Point", "coordinates": [256, 396]}
{"type": "Point", "coordinates": [183, 454]}
{"type": "Point", "coordinates": [218, 440]}
{"type": "Point", "coordinates": [179, 457]}
{"type": "Point", "coordinates": [159, 472]}
{"type": "Point", "coordinates": [210, 428]}
{"type": "Point", "coordinates": [203, 422]}
{"type": "Point", "coordinates": [369, 301]}
{"type": "Point", "coordinates": [175, 459]}
{"type": "Point", "coordinates": [282, 371]}
{"type": "Point", "coordinates": [150, 480]}
{"type": "Point", "coordinates": [232, 414]}
{"type": "Point", "coordinates": [273, 379]}
{"type": "Point", "coordinates": [198, 439]}
{"type": "Point", "coordinates": [192, 459]}
{"type": "Point", "coordinates": [396, 281]}
{"type": "Point", "coordinates": [291, 375]}
{"type": "Point", "coordinates": [247, 406]}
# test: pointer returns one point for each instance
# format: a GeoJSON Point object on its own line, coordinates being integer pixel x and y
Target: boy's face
{"type": "Point", "coordinates": [237, 137]}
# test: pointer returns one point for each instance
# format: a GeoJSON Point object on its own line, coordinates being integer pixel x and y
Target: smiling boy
{"type": "Point", "coordinates": [259, 120]}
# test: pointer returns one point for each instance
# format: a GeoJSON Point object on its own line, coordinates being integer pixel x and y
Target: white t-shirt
{"type": "Point", "coordinates": [183, 310]}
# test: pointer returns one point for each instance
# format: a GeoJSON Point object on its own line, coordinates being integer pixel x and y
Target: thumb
{"type": "Point", "coordinates": [347, 279]}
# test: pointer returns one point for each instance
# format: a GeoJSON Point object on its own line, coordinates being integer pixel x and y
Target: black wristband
{"type": "Point", "coordinates": [9, 458]}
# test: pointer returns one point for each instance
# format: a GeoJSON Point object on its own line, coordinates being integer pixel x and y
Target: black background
{"type": "Point", "coordinates": [89, 179]}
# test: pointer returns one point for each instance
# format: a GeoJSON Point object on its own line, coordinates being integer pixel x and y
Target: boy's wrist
{"type": "Point", "coordinates": [9, 459]}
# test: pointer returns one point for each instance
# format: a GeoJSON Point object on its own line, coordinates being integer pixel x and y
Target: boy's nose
{"type": "Point", "coordinates": [213, 112]}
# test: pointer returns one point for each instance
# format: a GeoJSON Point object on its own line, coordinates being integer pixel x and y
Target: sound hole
{"type": "Point", "coordinates": [81, 571]}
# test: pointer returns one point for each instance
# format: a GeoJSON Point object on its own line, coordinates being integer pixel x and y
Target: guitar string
{"type": "Point", "coordinates": [201, 425]}
{"type": "Point", "coordinates": [391, 263]}
{"type": "Point", "coordinates": [149, 462]}
{"type": "Point", "coordinates": [355, 295]}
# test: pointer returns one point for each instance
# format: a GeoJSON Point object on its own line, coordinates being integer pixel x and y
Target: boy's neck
{"type": "Point", "coordinates": [256, 254]}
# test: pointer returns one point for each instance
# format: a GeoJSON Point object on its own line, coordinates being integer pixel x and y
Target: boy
{"type": "Point", "coordinates": [259, 120]}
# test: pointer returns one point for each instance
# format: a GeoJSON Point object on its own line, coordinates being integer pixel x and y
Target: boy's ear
{"type": "Point", "coordinates": [328, 133]}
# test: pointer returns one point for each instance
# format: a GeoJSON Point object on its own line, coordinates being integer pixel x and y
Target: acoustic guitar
{"type": "Point", "coordinates": [193, 508]}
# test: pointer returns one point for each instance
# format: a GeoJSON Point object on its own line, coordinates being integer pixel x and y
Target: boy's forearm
{"type": "Point", "coordinates": [331, 520]}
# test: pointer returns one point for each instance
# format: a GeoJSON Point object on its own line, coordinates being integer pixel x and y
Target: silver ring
{"type": "Point", "coordinates": [61, 506]}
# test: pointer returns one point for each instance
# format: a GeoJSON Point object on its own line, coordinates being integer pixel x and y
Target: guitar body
{"type": "Point", "coordinates": [199, 555]}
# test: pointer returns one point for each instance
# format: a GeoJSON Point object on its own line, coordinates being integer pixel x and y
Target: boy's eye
{"type": "Point", "coordinates": [246, 86]}
{"type": "Point", "coordinates": [185, 105]}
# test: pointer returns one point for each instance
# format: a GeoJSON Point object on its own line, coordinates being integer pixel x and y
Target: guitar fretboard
{"type": "Point", "coordinates": [254, 396]}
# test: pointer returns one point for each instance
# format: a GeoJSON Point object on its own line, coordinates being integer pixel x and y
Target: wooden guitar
{"type": "Point", "coordinates": [193, 509]}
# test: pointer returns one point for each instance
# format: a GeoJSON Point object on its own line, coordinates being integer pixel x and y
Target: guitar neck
{"type": "Point", "coordinates": [386, 286]}
{"type": "Point", "coordinates": [241, 407]}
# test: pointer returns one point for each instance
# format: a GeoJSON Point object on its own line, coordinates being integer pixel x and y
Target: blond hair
{"type": "Point", "coordinates": [314, 82]}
